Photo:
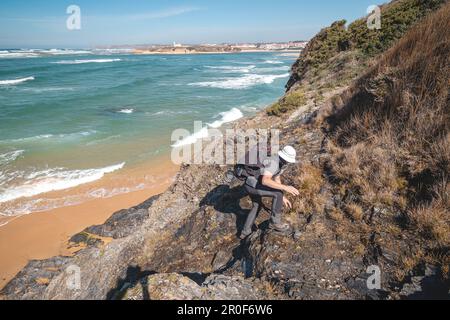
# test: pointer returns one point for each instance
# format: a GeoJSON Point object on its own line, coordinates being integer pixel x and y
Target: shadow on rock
{"type": "Point", "coordinates": [228, 200]}
{"type": "Point", "coordinates": [133, 276]}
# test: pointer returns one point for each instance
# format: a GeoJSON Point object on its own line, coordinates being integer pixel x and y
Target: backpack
{"type": "Point", "coordinates": [244, 169]}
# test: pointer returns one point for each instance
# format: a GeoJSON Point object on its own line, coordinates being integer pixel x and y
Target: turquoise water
{"type": "Point", "coordinates": [68, 118]}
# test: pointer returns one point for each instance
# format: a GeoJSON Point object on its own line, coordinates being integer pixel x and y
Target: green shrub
{"type": "Point", "coordinates": [396, 18]}
{"type": "Point", "coordinates": [327, 43]}
{"type": "Point", "coordinates": [289, 102]}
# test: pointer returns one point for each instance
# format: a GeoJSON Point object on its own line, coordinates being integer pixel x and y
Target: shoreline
{"type": "Point", "coordinates": [27, 243]}
{"type": "Point", "coordinates": [45, 234]}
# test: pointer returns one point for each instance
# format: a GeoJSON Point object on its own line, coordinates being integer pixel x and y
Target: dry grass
{"type": "Point", "coordinates": [368, 175]}
{"type": "Point", "coordinates": [389, 140]}
{"type": "Point", "coordinates": [433, 220]}
{"type": "Point", "coordinates": [310, 183]}
{"type": "Point", "coordinates": [359, 249]}
{"type": "Point", "coordinates": [408, 263]}
{"type": "Point", "coordinates": [355, 211]}
{"type": "Point", "coordinates": [337, 215]}
{"type": "Point", "coordinates": [42, 281]}
{"type": "Point", "coordinates": [394, 125]}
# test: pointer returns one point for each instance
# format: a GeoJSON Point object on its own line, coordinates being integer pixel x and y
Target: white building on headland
{"type": "Point", "coordinates": [245, 45]}
{"type": "Point", "coordinates": [177, 45]}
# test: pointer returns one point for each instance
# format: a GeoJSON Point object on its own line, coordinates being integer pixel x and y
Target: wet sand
{"type": "Point", "coordinates": [42, 235]}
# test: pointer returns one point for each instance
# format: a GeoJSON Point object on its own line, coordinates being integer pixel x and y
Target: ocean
{"type": "Point", "coordinates": [72, 117]}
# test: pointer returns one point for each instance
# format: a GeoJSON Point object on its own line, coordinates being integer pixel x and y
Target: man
{"type": "Point", "coordinates": [268, 184]}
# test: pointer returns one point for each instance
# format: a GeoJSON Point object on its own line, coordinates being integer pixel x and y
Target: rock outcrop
{"type": "Point", "coordinates": [174, 286]}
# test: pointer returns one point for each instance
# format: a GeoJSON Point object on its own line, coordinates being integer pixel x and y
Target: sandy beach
{"type": "Point", "coordinates": [43, 235]}
{"type": "Point", "coordinates": [108, 140]}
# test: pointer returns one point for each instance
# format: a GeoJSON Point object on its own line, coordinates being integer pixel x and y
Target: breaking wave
{"type": "Point", "coordinates": [15, 81]}
{"type": "Point", "coordinates": [54, 180]}
{"type": "Point", "coordinates": [243, 82]}
{"type": "Point", "coordinates": [34, 53]}
{"type": "Point", "coordinates": [193, 138]}
{"type": "Point", "coordinates": [226, 117]}
{"type": "Point", "coordinates": [126, 111]}
{"type": "Point", "coordinates": [9, 157]}
{"type": "Point", "coordinates": [273, 62]}
{"type": "Point", "coordinates": [233, 69]}
{"type": "Point", "coordinates": [50, 136]}
{"type": "Point", "coordinates": [87, 61]}
{"type": "Point", "coordinates": [273, 69]}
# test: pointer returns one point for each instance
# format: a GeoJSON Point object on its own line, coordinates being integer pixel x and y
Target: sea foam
{"type": "Point", "coordinates": [243, 82]}
{"type": "Point", "coordinates": [9, 157]}
{"type": "Point", "coordinates": [201, 134]}
{"type": "Point", "coordinates": [61, 52]}
{"type": "Point", "coordinates": [226, 117]}
{"type": "Point", "coordinates": [15, 81]}
{"type": "Point", "coordinates": [9, 55]}
{"type": "Point", "coordinates": [86, 61]}
{"type": "Point", "coordinates": [39, 137]}
{"type": "Point", "coordinates": [273, 69]}
{"type": "Point", "coordinates": [233, 69]}
{"type": "Point", "coordinates": [126, 111]}
{"type": "Point", "coordinates": [34, 53]}
{"type": "Point", "coordinates": [273, 62]}
{"type": "Point", "coordinates": [55, 179]}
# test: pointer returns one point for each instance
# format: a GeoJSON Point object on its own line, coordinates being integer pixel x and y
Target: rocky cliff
{"type": "Point", "coordinates": [373, 178]}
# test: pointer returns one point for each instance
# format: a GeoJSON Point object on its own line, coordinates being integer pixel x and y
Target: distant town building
{"type": "Point", "coordinates": [245, 45]}
{"type": "Point", "coordinates": [292, 45]}
{"type": "Point", "coordinates": [223, 47]}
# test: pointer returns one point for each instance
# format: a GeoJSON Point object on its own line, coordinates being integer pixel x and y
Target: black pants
{"type": "Point", "coordinates": [256, 194]}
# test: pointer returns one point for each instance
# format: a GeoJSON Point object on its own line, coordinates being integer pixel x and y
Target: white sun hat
{"type": "Point", "coordinates": [288, 154]}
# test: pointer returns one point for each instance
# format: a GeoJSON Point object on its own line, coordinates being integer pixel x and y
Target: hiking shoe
{"type": "Point", "coordinates": [281, 228]}
{"type": "Point", "coordinates": [244, 235]}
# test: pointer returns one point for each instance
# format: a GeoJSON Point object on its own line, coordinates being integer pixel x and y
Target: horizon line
{"type": "Point", "coordinates": [125, 46]}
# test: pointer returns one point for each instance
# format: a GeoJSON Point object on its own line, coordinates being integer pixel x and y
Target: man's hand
{"type": "Point", "coordinates": [271, 183]}
{"type": "Point", "coordinates": [292, 190]}
{"type": "Point", "coordinates": [287, 203]}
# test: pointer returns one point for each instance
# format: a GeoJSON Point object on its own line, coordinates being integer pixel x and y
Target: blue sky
{"type": "Point", "coordinates": [42, 23]}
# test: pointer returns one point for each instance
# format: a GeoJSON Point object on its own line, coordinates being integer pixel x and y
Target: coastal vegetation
{"type": "Point", "coordinates": [397, 18]}
{"type": "Point", "coordinates": [339, 53]}
{"type": "Point", "coordinates": [388, 141]}
{"type": "Point", "coordinates": [288, 102]}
